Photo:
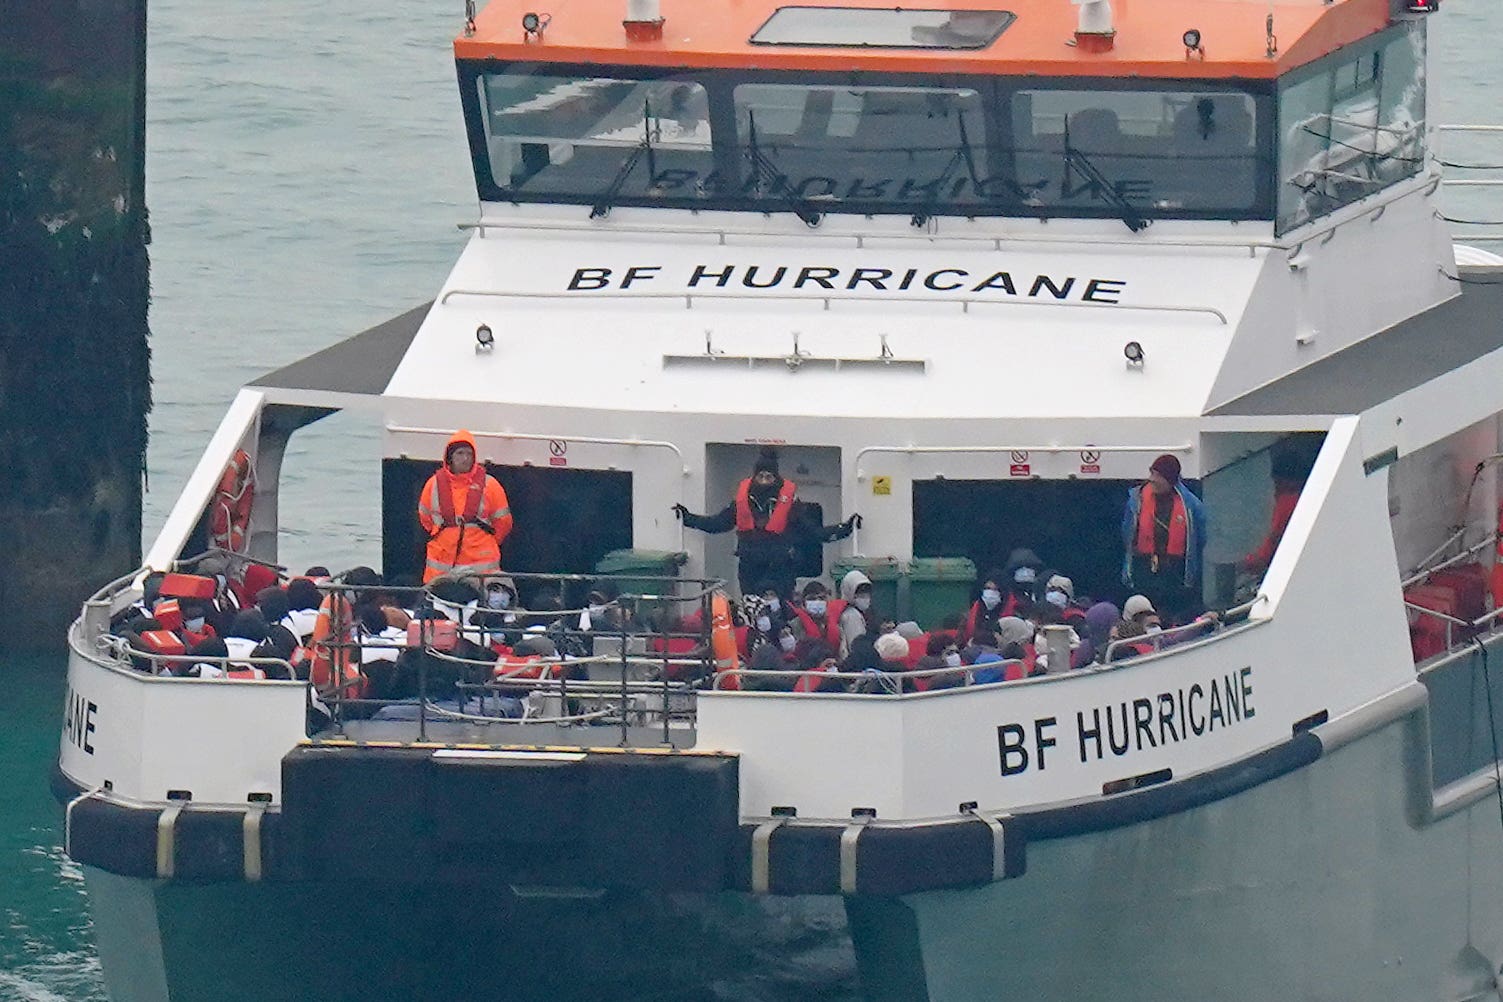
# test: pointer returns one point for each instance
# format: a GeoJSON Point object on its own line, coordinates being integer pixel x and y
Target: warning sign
{"type": "Point", "coordinates": [558, 451]}
{"type": "Point", "coordinates": [1090, 461]}
{"type": "Point", "coordinates": [1019, 470]}
{"type": "Point", "coordinates": [882, 486]}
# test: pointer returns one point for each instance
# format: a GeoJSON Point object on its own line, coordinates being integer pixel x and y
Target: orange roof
{"type": "Point", "coordinates": [715, 33]}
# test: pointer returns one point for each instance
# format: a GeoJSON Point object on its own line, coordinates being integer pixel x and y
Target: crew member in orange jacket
{"type": "Point", "coordinates": [465, 513]}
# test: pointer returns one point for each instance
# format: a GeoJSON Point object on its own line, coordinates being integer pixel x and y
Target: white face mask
{"type": "Point", "coordinates": [773, 605]}
{"type": "Point", "coordinates": [953, 660]}
{"type": "Point", "coordinates": [991, 597]}
{"type": "Point", "coordinates": [815, 606]}
{"type": "Point", "coordinates": [862, 602]}
{"type": "Point", "coordinates": [764, 624]}
{"type": "Point", "coordinates": [194, 625]}
{"type": "Point", "coordinates": [788, 643]}
{"type": "Point", "coordinates": [498, 600]}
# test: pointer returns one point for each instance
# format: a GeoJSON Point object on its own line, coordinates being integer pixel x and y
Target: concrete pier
{"type": "Point", "coordinates": [75, 386]}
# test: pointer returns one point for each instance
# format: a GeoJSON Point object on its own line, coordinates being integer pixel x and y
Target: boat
{"type": "Point", "coordinates": [971, 272]}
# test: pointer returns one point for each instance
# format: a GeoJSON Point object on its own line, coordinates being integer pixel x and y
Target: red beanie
{"type": "Point", "coordinates": [1166, 466]}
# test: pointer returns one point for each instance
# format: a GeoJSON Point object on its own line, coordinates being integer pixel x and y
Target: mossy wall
{"type": "Point", "coordinates": [75, 384]}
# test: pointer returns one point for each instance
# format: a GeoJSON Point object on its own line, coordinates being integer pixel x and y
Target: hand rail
{"type": "Point", "coordinates": [891, 681]}
{"type": "Point", "coordinates": [988, 449]}
{"type": "Point", "coordinates": [1217, 625]}
{"type": "Point", "coordinates": [939, 299]}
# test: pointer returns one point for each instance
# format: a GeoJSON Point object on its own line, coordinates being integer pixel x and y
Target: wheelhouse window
{"type": "Point", "coordinates": [592, 136]}
{"type": "Point", "coordinates": [1352, 125]}
{"type": "Point", "coordinates": [919, 145]}
{"type": "Point", "coordinates": [873, 147]}
{"type": "Point", "coordinates": [1172, 152]}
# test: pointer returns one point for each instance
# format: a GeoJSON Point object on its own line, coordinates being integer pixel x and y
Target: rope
{"type": "Point", "coordinates": [1492, 727]}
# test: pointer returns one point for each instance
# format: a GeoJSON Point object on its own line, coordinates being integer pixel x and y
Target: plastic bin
{"type": "Point", "coordinates": [884, 573]}
{"type": "Point", "coordinates": [938, 587]}
{"type": "Point", "coordinates": [634, 572]}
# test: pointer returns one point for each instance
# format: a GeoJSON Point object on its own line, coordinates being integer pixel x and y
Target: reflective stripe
{"type": "Point", "coordinates": [469, 569]}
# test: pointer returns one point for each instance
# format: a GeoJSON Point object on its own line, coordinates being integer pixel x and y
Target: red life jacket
{"type": "Point", "coordinates": [245, 673]}
{"type": "Point", "coordinates": [1179, 524]}
{"type": "Point", "coordinates": [777, 522]}
{"type": "Point", "coordinates": [474, 492]}
{"type": "Point", "coordinates": [831, 633]}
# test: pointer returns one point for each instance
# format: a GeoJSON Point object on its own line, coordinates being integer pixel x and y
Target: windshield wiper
{"type": "Point", "coordinates": [1078, 160]}
{"type": "Point", "coordinates": [767, 173]}
{"type": "Point", "coordinates": [608, 197]}
{"type": "Point", "coordinates": [963, 155]}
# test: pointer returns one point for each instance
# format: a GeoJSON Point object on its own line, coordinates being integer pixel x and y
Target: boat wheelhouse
{"type": "Point", "coordinates": [969, 270]}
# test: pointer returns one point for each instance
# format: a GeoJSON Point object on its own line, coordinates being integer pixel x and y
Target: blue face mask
{"type": "Point", "coordinates": [498, 600]}
{"type": "Point", "coordinates": [815, 606]}
{"type": "Point", "coordinates": [194, 625]}
{"type": "Point", "coordinates": [991, 597]}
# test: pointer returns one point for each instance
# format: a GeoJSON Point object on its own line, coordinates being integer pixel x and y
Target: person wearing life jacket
{"type": "Point", "coordinates": [245, 633]}
{"type": "Point", "coordinates": [1289, 475]}
{"type": "Point", "coordinates": [1163, 537]}
{"type": "Point", "coordinates": [817, 616]}
{"type": "Point", "coordinates": [770, 525]}
{"type": "Point", "coordinates": [465, 513]}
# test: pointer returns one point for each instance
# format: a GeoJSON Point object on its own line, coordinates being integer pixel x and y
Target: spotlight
{"type": "Point", "coordinates": [1133, 352]}
{"type": "Point", "coordinates": [485, 340]}
{"type": "Point", "coordinates": [1192, 39]}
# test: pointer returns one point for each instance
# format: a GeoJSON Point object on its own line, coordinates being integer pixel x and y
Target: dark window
{"type": "Point", "coordinates": [856, 142]}
{"type": "Point", "coordinates": [895, 28]}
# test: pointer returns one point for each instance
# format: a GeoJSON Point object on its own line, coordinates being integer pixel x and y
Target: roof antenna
{"type": "Point", "coordinates": [469, 18]}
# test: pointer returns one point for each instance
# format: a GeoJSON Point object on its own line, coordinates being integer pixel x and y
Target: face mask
{"type": "Point", "coordinates": [863, 602]}
{"type": "Point", "coordinates": [597, 610]}
{"type": "Point", "coordinates": [195, 625]}
{"type": "Point", "coordinates": [953, 660]}
{"type": "Point", "coordinates": [764, 625]}
{"type": "Point", "coordinates": [773, 605]}
{"type": "Point", "coordinates": [1153, 628]}
{"type": "Point", "coordinates": [991, 597]}
{"type": "Point", "coordinates": [815, 606]}
{"type": "Point", "coordinates": [788, 643]}
{"type": "Point", "coordinates": [498, 600]}
{"type": "Point", "coordinates": [1058, 598]}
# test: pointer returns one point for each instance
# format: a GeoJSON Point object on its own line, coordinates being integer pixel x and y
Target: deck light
{"type": "Point", "coordinates": [1422, 6]}
{"type": "Point", "coordinates": [1133, 352]}
{"type": "Point", "coordinates": [1191, 39]}
{"type": "Point", "coordinates": [485, 340]}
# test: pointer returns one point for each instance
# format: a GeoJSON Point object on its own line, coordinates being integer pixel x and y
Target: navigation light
{"type": "Point", "coordinates": [485, 340]}
{"type": "Point", "coordinates": [1133, 352]}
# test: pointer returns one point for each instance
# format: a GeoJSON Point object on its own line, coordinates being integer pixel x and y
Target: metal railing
{"type": "Point", "coordinates": [869, 681]}
{"type": "Point", "coordinates": [1476, 230]}
{"type": "Point", "coordinates": [1211, 627]}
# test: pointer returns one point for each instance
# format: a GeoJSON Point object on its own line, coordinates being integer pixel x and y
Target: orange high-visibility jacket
{"type": "Point", "coordinates": [455, 544]}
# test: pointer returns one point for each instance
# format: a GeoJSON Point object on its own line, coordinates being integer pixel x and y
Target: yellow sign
{"type": "Point", "coordinates": [881, 485]}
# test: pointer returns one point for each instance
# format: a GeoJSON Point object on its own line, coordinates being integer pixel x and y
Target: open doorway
{"type": "Point", "coordinates": [564, 520]}
{"type": "Point", "coordinates": [1073, 525]}
{"type": "Point", "coordinates": [814, 468]}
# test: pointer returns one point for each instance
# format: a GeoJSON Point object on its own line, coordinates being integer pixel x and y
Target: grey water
{"type": "Point", "coordinates": [306, 167]}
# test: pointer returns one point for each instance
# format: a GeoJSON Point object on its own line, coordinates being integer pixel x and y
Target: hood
{"type": "Point", "coordinates": [852, 581]}
{"type": "Point", "coordinates": [461, 437]}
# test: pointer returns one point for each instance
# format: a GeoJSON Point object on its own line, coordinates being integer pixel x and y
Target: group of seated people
{"type": "Point", "coordinates": [1001, 637]}
{"type": "Point", "coordinates": [250, 622]}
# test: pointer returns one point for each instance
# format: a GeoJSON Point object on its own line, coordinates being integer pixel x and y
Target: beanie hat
{"type": "Point", "coordinates": [767, 460]}
{"type": "Point", "coordinates": [891, 647]}
{"type": "Point", "coordinates": [1136, 605]}
{"type": "Point", "coordinates": [1061, 583]}
{"type": "Point", "coordinates": [1166, 466]}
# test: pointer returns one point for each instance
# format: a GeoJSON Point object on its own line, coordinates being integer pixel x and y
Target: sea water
{"type": "Point", "coordinates": [306, 167]}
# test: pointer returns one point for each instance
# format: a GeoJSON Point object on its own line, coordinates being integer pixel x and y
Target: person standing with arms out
{"type": "Point", "coordinates": [769, 524]}
{"type": "Point", "coordinates": [465, 513]}
{"type": "Point", "coordinates": [1163, 535]}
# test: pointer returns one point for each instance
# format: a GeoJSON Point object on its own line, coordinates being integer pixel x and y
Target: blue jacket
{"type": "Point", "coordinates": [1195, 532]}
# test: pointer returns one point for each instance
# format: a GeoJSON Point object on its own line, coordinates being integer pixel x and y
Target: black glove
{"type": "Point", "coordinates": [854, 522]}
{"type": "Point", "coordinates": [679, 511]}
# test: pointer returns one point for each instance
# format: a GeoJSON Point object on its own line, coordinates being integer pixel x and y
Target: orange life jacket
{"type": "Point", "coordinates": [777, 522]}
{"type": "Point", "coordinates": [1179, 524]}
{"type": "Point", "coordinates": [723, 639]}
{"type": "Point", "coordinates": [831, 633]}
{"type": "Point", "coordinates": [230, 509]}
{"type": "Point", "coordinates": [335, 664]}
